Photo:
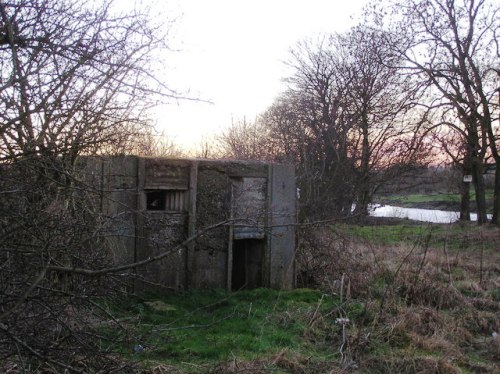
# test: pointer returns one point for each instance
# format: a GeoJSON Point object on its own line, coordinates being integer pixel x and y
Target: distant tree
{"type": "Point", "coordinates": [245, 140]}
{"type": "Point", "coordinates": [346, 121]}
{"type": "Point", "coordinates": [313, 116]}
{"type": "Point", "coordinates": [287, 137]}
{"type": "Point", "coordinates": [380, 102]}
{"type": "Point", "coordinates": [453, 46]}
{"type": "Point", "coordinates": [150, 143]}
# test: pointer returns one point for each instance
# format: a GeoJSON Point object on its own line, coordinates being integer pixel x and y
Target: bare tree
{"type": "Point", "coordinates": [75, 79]}
{"type": "Point", "coordinates": [453, 147]}
{"type": "Point", "coordinates": [346, 121]}
{"type": "Point", "coordinates": [150, 143]}
{"type": "Point", "coordinates": [245, 140]}
{"type": "Point", "coordinates": [386, 131]}
{"type": "Point", "coordinates": [453, 45]}
{"type": "Point", "coordinates": [318, 146]}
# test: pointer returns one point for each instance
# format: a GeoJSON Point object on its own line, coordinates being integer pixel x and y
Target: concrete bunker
{"type": "Point", "coordinates": [158, 203]}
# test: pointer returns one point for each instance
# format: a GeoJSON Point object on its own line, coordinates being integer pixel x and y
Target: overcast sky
{"type": "Point", "coordinates": [231, 53]}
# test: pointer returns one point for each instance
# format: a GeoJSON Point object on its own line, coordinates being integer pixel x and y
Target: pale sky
{"type": "Point", "coordinates": [231, 52]}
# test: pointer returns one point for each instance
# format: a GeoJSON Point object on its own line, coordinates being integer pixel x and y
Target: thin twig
{"type": "Point", "coordinates": [25, 295]}
{"type": "Point", "coordinates": [36, 353]}
{"type": "Point", "coordinates": [311, 322]}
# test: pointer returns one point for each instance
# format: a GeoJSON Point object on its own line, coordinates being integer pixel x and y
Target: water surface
{"type": "Point", "coordinates": [416, 214]}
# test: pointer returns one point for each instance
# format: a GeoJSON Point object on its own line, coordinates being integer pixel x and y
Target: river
{"type": "Point", "coordinates": [424, 215]}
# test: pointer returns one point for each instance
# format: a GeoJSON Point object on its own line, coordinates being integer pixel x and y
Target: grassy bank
{"type": "Point", "coordinates": [387, 299]}
{"type": "Point", "coordinates": [443, 201]}
{"type": "Point", "coordinates": [466, 236]}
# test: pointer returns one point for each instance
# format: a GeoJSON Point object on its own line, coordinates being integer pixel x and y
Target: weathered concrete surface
{"type": "Point", "coordinates": [160, 174]}
{"type": "Point", "coordinates": [209, 259]}
{"type": "Point", "coordinates": [162, 232]}
{"type": "Point", "coordinates": [248, 204]}
{"type": "Point", "coordinates": [236, 168]}
{"type": "Point", "coordinates": [282, 219]}
{"type": "Point", "coordinates": [118, 194]}
{"type": "Point", "coordinates": [259, 197]}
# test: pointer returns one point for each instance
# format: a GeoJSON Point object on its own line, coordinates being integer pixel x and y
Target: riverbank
{"type": "Point", "coordinates": [392, 231]}
{"type": "Point", "coordinates": [434, 201]}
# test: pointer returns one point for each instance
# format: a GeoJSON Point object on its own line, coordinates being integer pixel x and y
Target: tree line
{"type": "Point", "coordinates": [414, 83]}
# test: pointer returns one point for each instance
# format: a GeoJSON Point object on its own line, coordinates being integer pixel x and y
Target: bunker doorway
{"type": "Point", "coordinates": [248, 255]}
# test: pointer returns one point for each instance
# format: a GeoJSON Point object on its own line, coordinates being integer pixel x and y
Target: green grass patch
{"type": "Point", "coordinates": [459, 236]}
{"type": "Point", "coordinates": [419, 200]}
{"type": "Point", "coordinates": [413, 199]}
{"type": "Point", "coordinates": [211, 326]}
{"type": "Point", "coordinates": [385, 234]}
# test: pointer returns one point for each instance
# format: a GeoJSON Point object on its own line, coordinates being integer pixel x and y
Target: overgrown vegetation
{"type": "Point", "coordinates": [384, 298]}
{"type": "Point", "coordinates": [77, 79]}
{"type": "Point", "coordinates": [432, 298]}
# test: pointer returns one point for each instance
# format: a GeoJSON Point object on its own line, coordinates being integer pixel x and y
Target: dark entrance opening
{"type": "Point", "coordinates": [247, 264]}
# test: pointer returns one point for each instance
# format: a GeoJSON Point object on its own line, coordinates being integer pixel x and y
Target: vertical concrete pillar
{"type": "Point", "coordinates": [193, 190]}
{"type": "Point", "coordinates": [266, 262]}
{"type": "Point", "coordinates": [141, 206]}
{"type": "Point", "coordinates": [139, 217]}
{"type": "Point", "coordinates": [282, 219]}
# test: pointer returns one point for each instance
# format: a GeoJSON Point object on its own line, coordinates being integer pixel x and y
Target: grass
{"type": "Point", "coordinates": [413, 199]}
{"type": "Point", "coordinates": [206, 327]}
{"type": "Point", "coordinates": [431, 305]}
{"type": "Point", "coordinates": [412, 307]}
{"type": "Point", "coordinates": [443, 200]}
{"type": "Point", "coordinates": [459, 236]}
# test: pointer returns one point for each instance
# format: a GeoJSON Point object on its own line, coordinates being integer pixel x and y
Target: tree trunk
{"type": "Point", "coordinates": [465, 201]}
{"type": "Point", "coordinates": [465, 189]}
{"type": "Point", "coordinates": [362, 204]}
{"type": "Point", "coordinates": [478, 179]}
{"type": "Point", "coordinates": [363, 196]}
{"type": "Point", "coordinates": [496, 196]}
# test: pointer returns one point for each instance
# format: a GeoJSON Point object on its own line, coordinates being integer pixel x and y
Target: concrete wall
{"type": "Point", "coordinates": [112, 189]}
{"type": "Point", "coordinates": [259, 195]}
{"type": "Point", "coordinates": [163, 232]}
{"type": "Point", "coordinates": [209, 258]}
{"type": "Point", "coordinates": [249, 207]}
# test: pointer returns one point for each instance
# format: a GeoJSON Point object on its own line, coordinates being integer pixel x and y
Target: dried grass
{"type": "Point", "coordinates": [419, 297]}
{"type": "Point", "coordinates": [293, 363]}
{"type": "Point", "coordinates": [423, 320]}
{"type": "Point", "coordinates": [438, 343]}
{"type": "Point", "coordinates": [409, 365]}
